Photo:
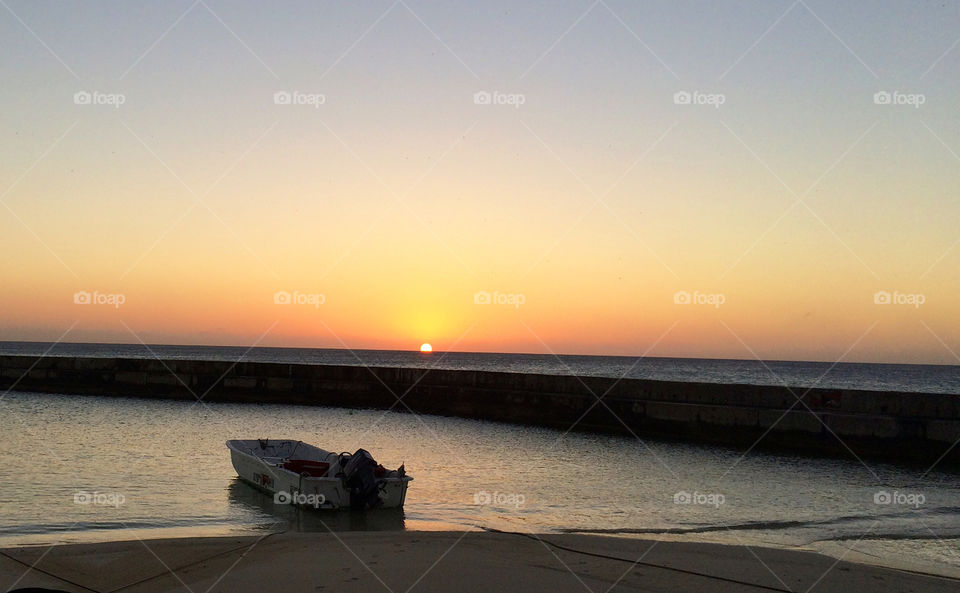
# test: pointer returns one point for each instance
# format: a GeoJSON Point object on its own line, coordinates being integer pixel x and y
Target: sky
{"type": "Point", "coordinates": [774, 180]}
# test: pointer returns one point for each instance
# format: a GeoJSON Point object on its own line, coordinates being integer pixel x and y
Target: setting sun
{"type": "Point", "coordinates": [426, 348]}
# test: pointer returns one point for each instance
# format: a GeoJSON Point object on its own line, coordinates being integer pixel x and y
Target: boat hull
{"type": "Point", "coordinates": [288, 487]}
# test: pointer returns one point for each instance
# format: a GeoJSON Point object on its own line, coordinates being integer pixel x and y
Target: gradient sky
{"type": "Point", "coordinates": [597, 199]}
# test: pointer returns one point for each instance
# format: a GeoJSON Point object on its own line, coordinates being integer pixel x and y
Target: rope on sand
{"type": "Point", "coordinates": [145, 579]}
{"type": "Point", "coordinates": [691, 572]}
{"type": "Point", "coordinates": [638, 562]}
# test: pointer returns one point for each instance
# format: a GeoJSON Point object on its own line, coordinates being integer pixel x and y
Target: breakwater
{"type": "Point", "coordinates": [911, 427]}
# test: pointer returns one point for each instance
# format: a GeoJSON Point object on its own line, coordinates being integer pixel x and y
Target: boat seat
{"type": "Point", "coordinates": [307, 467]}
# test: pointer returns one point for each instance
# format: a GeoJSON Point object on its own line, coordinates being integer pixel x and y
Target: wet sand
{"type": "Point", "coordinates": [440, 561]}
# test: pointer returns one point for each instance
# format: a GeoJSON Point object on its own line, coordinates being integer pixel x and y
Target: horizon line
{"type": "Point", "coordinates": [443, 352]}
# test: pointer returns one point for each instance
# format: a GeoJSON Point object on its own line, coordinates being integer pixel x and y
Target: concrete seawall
{"type": "Point", "coordinates": [910, 427]}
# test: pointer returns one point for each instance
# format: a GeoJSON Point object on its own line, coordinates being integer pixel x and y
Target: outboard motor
{"type": "Point", "coordinates": [362, 481]}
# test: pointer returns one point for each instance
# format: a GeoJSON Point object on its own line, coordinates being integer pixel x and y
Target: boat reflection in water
{"type": "Point", "coordinates": [300, 518]}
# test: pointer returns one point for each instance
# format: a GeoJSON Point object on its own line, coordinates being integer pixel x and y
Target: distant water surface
{"type": "Point", "coordinates": [883, 377]}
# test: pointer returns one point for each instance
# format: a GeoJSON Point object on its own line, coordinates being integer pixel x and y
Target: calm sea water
{"type": "Point", "coordinates": [160, 468]}
{"type": "Point", "coordinates": [884, 377]}
{"type": "Point", "coordinates": [75, 468]}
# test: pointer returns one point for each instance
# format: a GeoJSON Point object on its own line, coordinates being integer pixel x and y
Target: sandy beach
{"type": "Point", "coordinates": [440, 561]}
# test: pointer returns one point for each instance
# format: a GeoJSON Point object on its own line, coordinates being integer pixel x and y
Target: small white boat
{"type": "Point", "coordinates": [298, 473]}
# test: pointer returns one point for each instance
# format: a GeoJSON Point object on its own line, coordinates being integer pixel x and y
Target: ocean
{"type": "Point", "coordinates": [101, 468]}
{"type": "Point", "coordinates": [884, 377]}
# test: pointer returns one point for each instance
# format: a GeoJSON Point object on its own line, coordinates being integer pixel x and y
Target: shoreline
{"type": "Point", "coordinates": [836, 550]}
{"type": "Point", "coordinates": [433, 560]}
